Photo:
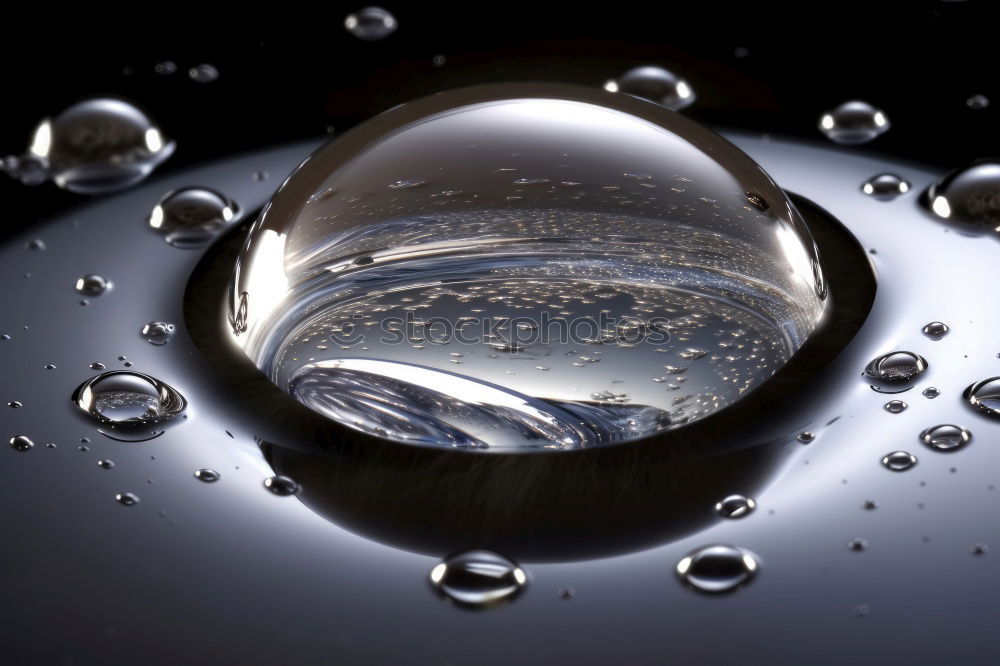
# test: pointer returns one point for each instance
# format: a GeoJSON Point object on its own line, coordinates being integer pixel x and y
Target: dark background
{"type": "Point", "coordinates": [300, 74]}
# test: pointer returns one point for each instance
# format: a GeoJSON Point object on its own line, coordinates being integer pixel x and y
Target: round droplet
{"type": "Point", "coordinates": [931, 392]}
{"type": "Point", "coordinates": [899, 461]}
{"type": "Point", "coordinates": [21, 442]}
{"type": "Point", "coordinates": [127, 499]}
{"type": "Point", "coordinates": [717, 569]}
{"type": "Point", "coordinates": [853, 123]}
{"type": "Point", "coordinates": [895, 406]}
{"type": "Point", "coordinates": [207, 475]}
{"type": "Point", "coordinates": [857, 545]}
{"type": "Point", "coordinates": [478, 579]}
{"type": "Point", "coordinates": [104, 463]}
{"type": "Point", "coordinates": [157, 332]}
{"type": "Point", "coordinates": [896, 367]}
{"type": "Point", "coordinates": [946, 437]}
{"type": "Point", "coordinates": [370, 24]}
{"type": "Point", "coordinates": [885, 186]}
{"type": "Point", "coordinates": [978, 102]}
{"type": "Point", "coordinates": [281, 485]}
{"type": "Point", "coordinates": [936, 330]}
{"type": "Point", "coordinates": [192, 216]}
{"type": "Point", "coordinates": [655, 84]}
{"type": "Point", "coordinates": [985, 396]}
{"type": "Point", "coordinates": [735, 506]}
{"type": "Point", "coordinates": [203, 73]}
{"type": "Point", "coordinates": [123, 398]}
{"type": "Point", "coordinates": [92, 285]}
{"type": "Point", "coordinates": [350, 242]}
{"type": "Point", "coordinates": [969, 194]}
{"type": "Point", "coordinates": [95, 146]}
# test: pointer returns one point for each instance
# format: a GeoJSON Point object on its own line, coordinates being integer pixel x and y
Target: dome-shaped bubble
{"type": "Point", "coordinates": [525, 266]}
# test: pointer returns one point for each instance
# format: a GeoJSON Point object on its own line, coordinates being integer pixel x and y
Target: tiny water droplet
{"type": "Point", "coordinates": [984, 395]}
{"type": "Point", "coordinates": [853, 123]}
{"type": "Point", "coordinates": [869, 505]}
{"type": "Point", "coordinates": [123, 398]}
{"type": "Point", "coordinates": [478, 579]}
{"type": "Point", "coordinates": [899, 461]}
{"type": "Point", "coordinates": [203, 73]}
{"type": "Point", "coordinates": [806, 437]}
{"type": "Point", "coordinates": [968, 195]}
{"type": "Point", "coordinates": [896, 367]}
{"type": "Point", "coordinates": [717, 569]}
{"type": "Point", "coordinates": [21, 442]}
{"type": "Point", "coordinates": [735, 506]}
{"type": "Point", "coordinates": [260, 176]}
{"type": "Point", "coordinates": [946, 437]}
{"type": "Point", "coordinates": [157, 332]}
{"type": "Point", "coordinates": [862, 610]}
{"type": "Point", "coordinates": [567, 593]}
{"type": "Point", "coordinates": [979, 549]}
{"type": "Point", "coordinates": [166, 68]}
{"type": "Point", "coordinates": [96, 365]}
{"type": "Point", "coordinates": [935, 330]}
{"type": "Point", "coordinates": [92, 285]}
{"type": "Point", "coordinates": [15, 404]}
{"type": "Point", "coordinates": [977, 102]}
{"type": "Point", "coordinates": [656, 85]}
{"type": "Point", "coordinates": [885, 186]}
{"type": "Point", "coordinates": [207, 475]}
{"type": "Point", "coordinates": [895, 406]}
{"type": "Point", "coordinates": [104, 463]}
{"type": "Point", "coordinates": [37, 244]}
{"type": "Point", "coordinates": [281, 485]}
{"type": "Point", "coordinates": [190, 217]}
{"type": "Point", "coordinates": [857, 545]}
{"type": "Point", "coordinates": [931, 392]}
{"type": "Point", "coordinates": [370, 24]}
{"type": "Point", "coordinates": [127, 499]}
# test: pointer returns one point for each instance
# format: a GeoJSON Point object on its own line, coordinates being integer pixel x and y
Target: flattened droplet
{"type": "Point", "coordinates": [885, 186]}
{"type": "Point", "coordinates": [984, 396]}
{"type": "Point", "coordinates": [371, 24]}
{"type": "Point", "coordinates": [21, 443]}
{"type": "Point", "coordinates": [127, 499]}
{"type": "Point", "coordinates": [853, 123]}
{"type": "Point", "coordinates": [478, 579]}
{"type": "Point", "coordinates": [896, 367]}
{"type": "Point", "coordinates": [717, 569]}
{"type": "Point", "coordinates": [655, 84]}
{"type": "Point", "coordinates": [735, 506]}
{"type": "Point", "coordinates": [946, 437]}
{"type": "Point", "coordinates": [281, 485]}
{"type": "Point", "coordinates": [899, 461]}
{"type": "Point", "coordinates": [123, 399]}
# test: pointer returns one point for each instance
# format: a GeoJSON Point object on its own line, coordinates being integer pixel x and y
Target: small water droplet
{"type": "Point", "coordinates": [439, 60]}
{"type": "Point", "coordinates": [15, 404]}
{"type": "Point", "coordinates": [166, 68]}
{"type": "Point", "coordinates": [370, 24]}
{"type": "Point", "coordinates": [260, 176]}
{"type": "Point", "coordinates": [190, 217]}
{"type": "Point", "coordinates": [979, 549]}
{"type": "Point", "coordinates": [857, 545]}
{"type": "Point", "coordinates": [735, 506]}
{"type": "Point", "coordinates": [157, 332]}
{"type": "Point", "coordinates": [896, 367]}
{"type": "Point", "coordinates": [96, 365]}
{"type": "Point", "coordinates": [936, 330]}
{"type": "Point", "coordinates": [104, 463]}
{"type": "Point", "coordinates": [931, 392]}
{"type": "Point", "coordinates": [38, 244]}
{"type": "Point", "coordinates": [281, 485]}
{"type": "Point", "coordinates": [203, 73]}
{"type": "Point", "coordinates": [984, 395]}
{"type": "Point", "coordinates": [806, 437]}
{"type": "Point", "coordinates": [899, 461]}
{"type": "Point", "coordinates": [566, 593]}
{"type": "Point", "coordinates": [207, 475]}
{"type": "Point", "coordinates": [895, 406]}
{"type": "Point", "coordinates": [127, 499]}
{"type": "Point", "coordinates": [853, 123]}
{"type": "Point", "coordinates": [977, 102]}
{"type": "Point", "coordinates": [946, 437]}
{"type": "Point", "coordinates": [124, 399]}
{"type": "Point", "coordinates": [21, 442]}
{"type": "Point", "coordinates": [717, 569]}
{"type": "Point", "coordinates": [656, 85]}
{"type": "Point", "coordinates": [862, 610]}
{"type": "Point", "coordinates": [885, 186]}
{"type": "Point", "coordinates": [968, 195]}
{"type": "Point", "coordinates": [478, 579]}
{"type": "Point", "coordinates": [869, 505]}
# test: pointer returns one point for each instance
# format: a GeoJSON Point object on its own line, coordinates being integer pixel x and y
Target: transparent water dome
{"type": "Point", "coordinates": [526, 266]}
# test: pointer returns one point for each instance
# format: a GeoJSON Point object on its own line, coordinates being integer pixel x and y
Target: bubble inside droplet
{"type": "Point", "coordinates": [853, 123]}
{"type": "Point", "coordinates": [946, 437]}
{"type": "Point", "coordinates": [655, 84]}
{"type": "Point", "coordinates": [192, 216]}
{"type": "Point", "coordinates": [899, 461]}
{"type": "Point", "coordinates": [895, 406]}
{"type": "Point", "coordinates": [478, 579]}
{"type": "Point", "coordinates": [123, 398]}
{"type": "Point", "coordinates": [717, 569]}
{"type": "Point", "coordinates": [735, 506]}
{"type": "Point", "coordinates": [370, 24]}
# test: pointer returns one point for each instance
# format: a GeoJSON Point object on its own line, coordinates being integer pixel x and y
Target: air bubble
{"type": "Point", "coordinates": [899, 461]}
{"type": "Point", "coordinates": [717, 569]}
{"type": "Point", "coordinates": [478, 579]}
{"type": "Point", "coordinates": [281, 485]}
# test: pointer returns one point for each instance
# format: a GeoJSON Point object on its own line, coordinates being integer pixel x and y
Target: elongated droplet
{"type": "Point", "coordinates": [899, 461]}
{"type": "Point", "coordinates": [853, 123]}
{"type": "Point", "coordinates": [123, 399]}
{"type": "Point", "coordinates": [935, 330]}
{"type": "Point", "coordinates": [207, 475]}
{"type": "Point", "coordinates": [127, 499]}
{"type": "Point", "coordinates": [895, 406]}
{"type": "Point", "coordinates": [717, 569]}
{"type": "Point", "coordinates": [370, 24]}
{"type": "Point", "coordinates": [655, 84]}
{"type": "Point", "coordinates": [885, 186]}
{"type": "Point", "coordinates": [104, 463]}
{"type": "Point", "coordinates": [931, 392]}
{"type": "Point", "coordinates": [203, 73]}
{"type": "Point", "coordinates": [896, 367]}
{"type": "Point", "coordinates": [735, 506]}
{"type": "Point", "coordinates": [281, 485]}
{"type": "Point", "coordinates": [478, 579]}
{"type": "Point", "coordinates": [946, 437]}
{"type": "Point", "coordinates": [985, 396]}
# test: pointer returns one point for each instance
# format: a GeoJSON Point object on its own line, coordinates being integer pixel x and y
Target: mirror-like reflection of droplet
{"type": "Point", "coordinates": [896, 367]}
{"type": "Point", "coordinates": [92, 285]}
{"type": "Point", "coordinates": [157, 332]}
{"type": "Point", "coordinates": [192, 216]}
{"type": "Point", "coordinates": [203, 73]}
{"type": "Point", "coordinates": [94, 146]}
{"type": "Point", "coordinates": [21, 442]}
{"type": "Point", "coordinates": [985, 396]}
{"type": "Point", "coordinates": [281, 485]}
{"type": "Point", "coordinates": [207, 475]}
{"type": "Point", "coordinates": [478, 579]}
{"type": "Point", "coordinates": [127, 399]}
{"type": "Point", "coordinates": [931, 392]}
{"type": "Point", "coordinates": [885, 186]}
{"type": "Point", "coordinates": [853, 123]}
{"type": "Point", "coordinates": [127, 499]}
{"type": "Point", "coordinates": [655, 84]}
{"type": "Point", "coordinates": [899, 461]}
{"type": "Point", "coordinates": [978, 102]}
{"type": "Point", "coordinates": [735, 506]}
{"type": "Point", "coordinates": [104, 463]}
{"type": "Point", "coordinates": [936, 330]}
{"type": "Point", "coordinates": [717, 569]}
{"type": "Point", "coordinates": [857, 545]}
{"type": "Point", "coordinates": [895, 406]}
{"type": "Point", "coordinates": [370, 24]}
{"type": "Point", "coordinates": [946, 437]}
{"type": "Point", "coordinates": [968, 195]}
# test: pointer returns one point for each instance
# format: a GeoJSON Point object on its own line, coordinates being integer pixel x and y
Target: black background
{"type": "Point", "coordinates": [298, 74]}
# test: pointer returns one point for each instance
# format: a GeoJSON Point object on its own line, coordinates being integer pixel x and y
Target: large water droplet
{"type": "Point", "coordinates": [21, 442]}
{"type": "Point", "coordinates": [735, 506]}
{"type": "Point", "coordinates": [125, 399]}
{"type": "Point", "coordinates": [946, 437]}
{"type": "Point", "coordinates": [885, 186]}
{"type": "Point", "coordinates": [717, 569]}
{"type": "Point", "coordinates": [607, 241]}
{"type": "Point", "coordinates": [478, 578]}
{"type": "Point", "coordinates": [896, 367]}
{"type": "Point", "coordinates": [969, 194]}
{"type": "Point", "coordinates": [985, 396]}
{"type": "Point", "coordinates": [899, 461]}
{"type": "Point", "coordinates": [370, 24]}
{"type": "Point", "coordinates": [95, 146]}
{"type": "Point", "coordinates": [853, 123]}
{"type": "Point", "coordinates": [92, 285]}
{"type": "Point", "coordinates": [157, 332]}
{"type": "Point", "coordinates": [655, 84]}
{"type": "Point", "coordinates": [192, 216]}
